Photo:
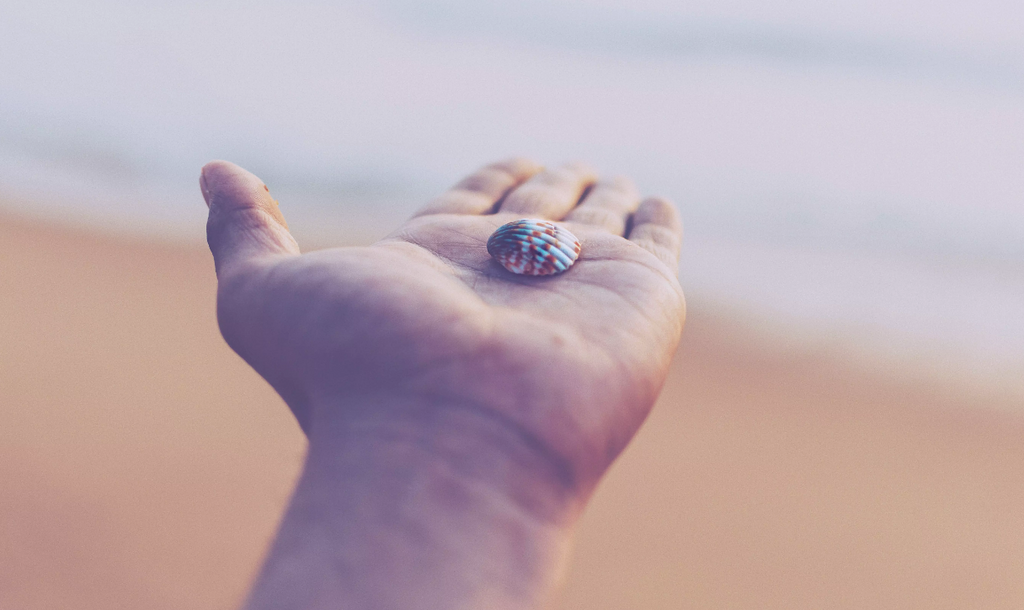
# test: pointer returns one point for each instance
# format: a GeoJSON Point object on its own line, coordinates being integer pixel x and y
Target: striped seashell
{"type": "Point", "coordinates": [534, 247]}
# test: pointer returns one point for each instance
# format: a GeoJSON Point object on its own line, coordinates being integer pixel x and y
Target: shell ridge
{"type": "Point", "coordinates": [534, 247]}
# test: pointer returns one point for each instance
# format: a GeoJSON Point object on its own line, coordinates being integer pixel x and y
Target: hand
{"type": "Point", "coordinates": [424, 327]}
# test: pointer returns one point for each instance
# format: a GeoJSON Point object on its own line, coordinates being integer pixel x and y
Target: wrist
{"type": "Point", "coordinates": [407, 503]}
{"type": "Point", "coordinates": [472, 445]}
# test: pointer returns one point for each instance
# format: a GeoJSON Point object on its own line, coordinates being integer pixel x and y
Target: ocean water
{"type": "Point", "coordinates": [852, 169]}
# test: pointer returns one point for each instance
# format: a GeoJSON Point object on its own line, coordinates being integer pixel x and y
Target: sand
{"type": "Point", "coordinates": [143, 465]}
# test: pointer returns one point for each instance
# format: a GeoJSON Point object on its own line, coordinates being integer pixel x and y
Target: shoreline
{"type": "Point", "coordinates": [925, 360]}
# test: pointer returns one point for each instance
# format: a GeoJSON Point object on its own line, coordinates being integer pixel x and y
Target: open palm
{"type": "Point", "coordinates": [571, 362]}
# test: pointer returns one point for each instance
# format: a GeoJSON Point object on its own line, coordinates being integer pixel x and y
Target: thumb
{"type": "Point", "coordinates": [245, 223]}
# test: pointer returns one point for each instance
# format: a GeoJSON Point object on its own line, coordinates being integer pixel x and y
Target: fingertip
{"type": "Point", "coordinates": [659, 211]}
{"type": "Point", "coordinates": [244, 219]}
{"type": "Point", "coordinates": [521, 168]}
{"type": "Point", "coordinates": [585, 171]}
{"type": "Point", "coordinates": [211, 176]}
{"type": "Point", "coordinates": [623, 183]}
{"type": "Point", "coordinates": [226, 183]}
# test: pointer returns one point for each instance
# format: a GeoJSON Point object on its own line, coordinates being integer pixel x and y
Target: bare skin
{"type": "Point", "coordinates": [459, 416]}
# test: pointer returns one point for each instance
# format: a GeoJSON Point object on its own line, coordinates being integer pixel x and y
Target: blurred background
{"type": "Point", "coordinates": [850, 175]}
{"type": "Point", "coordinates": [855, 164]}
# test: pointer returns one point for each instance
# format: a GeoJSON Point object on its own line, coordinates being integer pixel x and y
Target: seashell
{"type": "Point", "coordinates": [534, 247]}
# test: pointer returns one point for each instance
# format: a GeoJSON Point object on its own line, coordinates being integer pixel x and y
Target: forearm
{"type": "Point", "coordinates": [407, 505]}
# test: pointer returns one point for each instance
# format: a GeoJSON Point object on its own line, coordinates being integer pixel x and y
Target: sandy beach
{"type": "Point", "coordinates": [143, 465]}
